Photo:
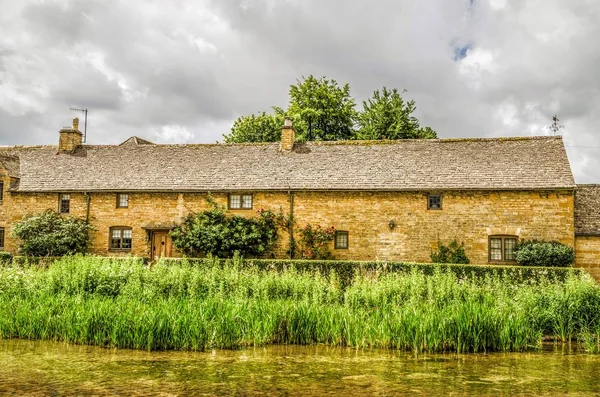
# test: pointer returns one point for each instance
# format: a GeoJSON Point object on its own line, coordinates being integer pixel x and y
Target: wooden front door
{"type": "Point", "coordinates": [161, 245]}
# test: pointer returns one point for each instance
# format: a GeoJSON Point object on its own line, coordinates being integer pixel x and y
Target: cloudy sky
{"type": "Point", "coordinates": [182, 70]}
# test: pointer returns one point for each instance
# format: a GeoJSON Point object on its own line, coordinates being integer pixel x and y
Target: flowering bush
{"type": "Point", "coordinates": [213, 232]}
{"type": "Point", "coordinates": [314, 242]}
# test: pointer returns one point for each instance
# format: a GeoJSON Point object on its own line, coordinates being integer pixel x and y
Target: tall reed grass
{"type": "Point", "coordinates": [120, 303]}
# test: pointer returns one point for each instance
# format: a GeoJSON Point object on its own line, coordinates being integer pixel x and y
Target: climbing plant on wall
{"type": "Point", "coordinates": [314, 242]}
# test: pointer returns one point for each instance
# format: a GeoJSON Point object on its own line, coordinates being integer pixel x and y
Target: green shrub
{"type": "Point", "coordinates": [453, 253]}
{"type": "Point", "coordinates": [544, 253]}
{"type": "Point", "coordinates": [346, 271]}
{"type": "Point", "coordinates": [212, 232]}
{"type": "Point", "coordinates": [5, 258]}
{"type": "Point", "coordinates": [52, 234]}
{"type": "Point", "coordinates": [33, 261]}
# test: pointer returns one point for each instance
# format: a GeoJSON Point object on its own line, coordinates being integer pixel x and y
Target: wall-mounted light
{"type": "Point", "coordinates": [391, 224]}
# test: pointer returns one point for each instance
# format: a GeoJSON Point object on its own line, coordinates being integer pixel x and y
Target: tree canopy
{"type": "Point", "coordinates": [261, 127]}
{"type": "Point", "coordinates": [387, 116]}
{"type": "Point", "coordinates": [322, 110]}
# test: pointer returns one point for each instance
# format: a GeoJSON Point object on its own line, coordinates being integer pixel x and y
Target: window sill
{"type": "Point", "coordinates": [119, 250]}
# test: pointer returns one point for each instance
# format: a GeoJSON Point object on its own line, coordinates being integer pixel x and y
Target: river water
{"type": "Point", "coordinates": [57, 369]}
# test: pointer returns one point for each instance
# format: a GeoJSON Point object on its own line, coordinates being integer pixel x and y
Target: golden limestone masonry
{"type": "Point", "coordinates": [388, 200]}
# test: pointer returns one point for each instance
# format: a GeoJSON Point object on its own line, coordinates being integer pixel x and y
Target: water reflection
{"type": "Point", "coordinates": [52, 368]}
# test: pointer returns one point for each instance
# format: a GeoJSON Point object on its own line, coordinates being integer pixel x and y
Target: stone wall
{"type": "Point", "coordinates": [587, 254]}
{"type": "Point", "coordinates": [469, 217]}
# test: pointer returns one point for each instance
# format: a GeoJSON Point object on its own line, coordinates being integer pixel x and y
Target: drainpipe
{"type": "Point", "coordinates": [87, 212]}
{"type": "Point", "coordinates": [291, 224]}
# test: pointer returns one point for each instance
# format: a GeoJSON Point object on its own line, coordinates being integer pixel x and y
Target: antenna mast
{"type": "Point", "coordinates": [555, 126]}
{"type": "Point", "coordinates": [84, 111]}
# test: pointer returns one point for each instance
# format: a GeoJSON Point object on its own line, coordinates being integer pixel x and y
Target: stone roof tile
{"type": "Point", "coordinates": [436, 164]}
{"type": "Point", "coordinates": [587, 210]}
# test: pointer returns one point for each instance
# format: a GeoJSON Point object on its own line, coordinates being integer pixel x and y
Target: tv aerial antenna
{"type": "Point", "coordinates": [84, 111]}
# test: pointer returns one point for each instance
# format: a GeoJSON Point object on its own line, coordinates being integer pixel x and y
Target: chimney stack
{"type": "Point", "coordinates": [288, 136]}
{"type": "Point", "coordinates": [70, 137]}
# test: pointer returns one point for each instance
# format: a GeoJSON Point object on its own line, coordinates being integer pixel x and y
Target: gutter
{"type": "Point", "coordinates": [291, 224]}
{"type": "Point", "coordinates": [251, 189]}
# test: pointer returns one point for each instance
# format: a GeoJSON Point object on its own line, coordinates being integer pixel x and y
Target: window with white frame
{"type": "Point", "coordinates": [502, 248]}
{"type": "Point", "coordinates": [341, 240]}
{"type": "Point", "coordinates": [64, 203]}
{"type": "Point", "coordinates": [121, 238]}
{"type": "Point", "coordinates": [240, 201]}
{"type": "Point", "coordinates": [122, 200]}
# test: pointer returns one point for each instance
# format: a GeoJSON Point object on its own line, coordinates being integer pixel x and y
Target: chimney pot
{"type": "Point", "coordinates": [287, 122]}
{"type": "Point", "coordinates": [76, 123]}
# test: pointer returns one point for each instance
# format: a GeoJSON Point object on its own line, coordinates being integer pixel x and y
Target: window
{"type": "Point", "coordinates": [1, 239]}
{"type": "Point", "coordinates": [1, 192]}
{"type": "Point", "coordinates": [122, 200]}
{"type": "Point", "coordinates": [341, 240]}
{"type": "Point", "coordinates": [240, 201]}
{"type": "Point", "coordinates": [64, 203]}
{"type": "Point", "coordinates": [120, 238]}
{"type": "Point", "coordinates": [502, 248]}
{"type": "Point", "coordinates": [434, 202]}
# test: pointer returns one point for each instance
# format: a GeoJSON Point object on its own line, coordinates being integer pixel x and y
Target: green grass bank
{"type": "Point", "coordinates": [198, 305]}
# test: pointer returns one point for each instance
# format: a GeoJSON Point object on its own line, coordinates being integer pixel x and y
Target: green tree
{"type": "Point", "coordinates": [260, 127]}
{"type": "Point", "coordinates": [51, 234]}
{"type": "Point", "coordinates": [321, 110]}
{"type": "Point", "coordinates": [387, 116]}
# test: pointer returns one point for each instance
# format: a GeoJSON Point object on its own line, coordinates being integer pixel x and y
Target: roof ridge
{"type": "Point", "coordinates": [341, 142]}
{"type": "Point", "coordinates": [438, 140]}
{"type": "Point", "coordinates": [13, 147]}
{"type": "Point", "coordinates": [187, 144]}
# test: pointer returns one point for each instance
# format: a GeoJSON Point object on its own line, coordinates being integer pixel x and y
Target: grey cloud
{"type": "Point", "coordinates": [184, 70]}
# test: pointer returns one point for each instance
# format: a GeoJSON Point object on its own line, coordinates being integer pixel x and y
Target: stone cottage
{"type": "Point", "coordinates": [388, 200]}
